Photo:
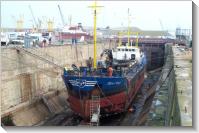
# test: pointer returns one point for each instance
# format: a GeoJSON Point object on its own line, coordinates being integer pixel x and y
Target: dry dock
{"type": "Point", "coordinates": [33, 93]}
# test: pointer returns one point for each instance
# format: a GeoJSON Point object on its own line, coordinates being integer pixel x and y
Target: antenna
{"type": "Point", "coordinates": [94, 32]}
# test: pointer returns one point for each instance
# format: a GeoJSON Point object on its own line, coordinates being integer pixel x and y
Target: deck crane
{"type": "Point", "coordinates": [62, 17]}
{"type": "Point", "coordinates": [33, 17]}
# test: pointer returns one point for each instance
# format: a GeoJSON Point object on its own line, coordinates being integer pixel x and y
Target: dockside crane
{"type": "Point", "coordinates": [35, 22]}
{"type": "Point", "coordinates": [70, 19]}
{"type": "Point", "coordinates": [19, 22]}
{"type": "Point", "coordinates": [162, 27]}
{"type": "Point", "coordinates": [62, 17]}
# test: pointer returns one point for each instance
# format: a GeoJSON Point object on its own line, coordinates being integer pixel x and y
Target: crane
{"type": "Point", "coordinates": [33, 17]}
{"type": "Point", "coordinates": [19, 22]}
{"type": "Point", "coordinates": [70, 19]}
{"type": "Point", "coordinates": [162, 27]}
{"type": "Point", "coordinates": [62, 17]}
{"type": "Point", "coordinates": [39, 23]}
{"type": "Point", "coordinates": [50, 23]}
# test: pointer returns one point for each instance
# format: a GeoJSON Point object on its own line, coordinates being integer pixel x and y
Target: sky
{"type": "Point", "coordinates": [146, 15]}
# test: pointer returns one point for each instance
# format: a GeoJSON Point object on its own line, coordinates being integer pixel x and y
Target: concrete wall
{"type": "Point", "coordinates": [183, 71]}
{"type": "Point", "coordinates": [172, 105]}
{"type": "Point", "coordinates": [25, 78]}
{"type": "Point", "coordinates": [162, 110]}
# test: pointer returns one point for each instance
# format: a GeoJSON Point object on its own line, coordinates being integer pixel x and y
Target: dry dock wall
{"type": "Point", "coordinates": [25, 78]}
{"type": "Point", "coordinates": [172, 105]}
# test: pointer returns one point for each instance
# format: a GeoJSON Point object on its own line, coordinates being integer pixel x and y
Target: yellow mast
{"type": "Point", "coordinates": [95, 38]}
{"type": "Point", "coordinates": [94, 34]}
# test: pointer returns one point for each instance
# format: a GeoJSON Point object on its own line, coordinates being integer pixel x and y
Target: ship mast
{"type": "Point", "coordinates": [94, 33]}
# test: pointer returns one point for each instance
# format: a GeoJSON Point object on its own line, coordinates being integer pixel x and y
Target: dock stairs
{"type": "Point", "coordinates": [95, 110]}
{"type": "Point", "coordinates": [39, 55]}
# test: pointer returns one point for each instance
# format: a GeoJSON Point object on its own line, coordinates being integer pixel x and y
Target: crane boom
{"type": "Point", "coordinates": [33, 17]}
{"type": "Point", "coordinates": [62, 17]}
{"type": "Point", "coordinates": [162, 27]}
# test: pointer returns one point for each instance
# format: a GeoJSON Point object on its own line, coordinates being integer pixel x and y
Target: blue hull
{"type": "Point", "coordinates": [108, 85]}
{"type": "Point", "coordinates": [115, 83]}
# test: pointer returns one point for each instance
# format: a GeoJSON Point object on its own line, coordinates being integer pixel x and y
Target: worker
{"type": "Point", "coordinates": [49, 40]}
{"type": "Point", "coordinates": [132, 109]}
{"type": "Point", "coordinates": [84, 72]}
{"type": "Point", "coordinates": [110, 71]}
{"type": "Point", "coordinates": [89, 63]}
{"type": "Point", "coordinates": [44, 43]}
{"type": "Point", "coordinates": [65, 71]}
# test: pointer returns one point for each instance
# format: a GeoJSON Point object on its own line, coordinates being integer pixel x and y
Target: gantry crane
{"type": "Point", "coordinates": [19, 22]}
{"type": "Point", "coordinates": [49, 22]}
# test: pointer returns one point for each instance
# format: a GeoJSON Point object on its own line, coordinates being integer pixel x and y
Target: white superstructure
{"type": "Point", "coordinates": [127, 53]}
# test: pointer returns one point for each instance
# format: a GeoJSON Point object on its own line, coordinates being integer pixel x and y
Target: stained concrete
{"type": "Point", "coordinates": [183, 72]}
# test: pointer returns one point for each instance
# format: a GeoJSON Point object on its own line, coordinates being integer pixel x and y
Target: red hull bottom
{"type": "Point", "coordinates": [109, 104]}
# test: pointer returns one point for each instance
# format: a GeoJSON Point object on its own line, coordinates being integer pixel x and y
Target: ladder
{"type": "Point", "coordinates": [39, 55]}
{"type": "Point", "coordinates": [94, 110]}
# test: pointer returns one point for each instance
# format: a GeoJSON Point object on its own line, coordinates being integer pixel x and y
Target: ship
{"type": "Point", "coordinates": [116, 89]}
{"type": "Point", "coordinates": [73, 34]}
